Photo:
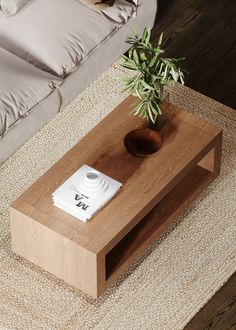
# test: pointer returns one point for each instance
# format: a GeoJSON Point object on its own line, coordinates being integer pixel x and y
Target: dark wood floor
{"type": "Point", "coordinates": [220, 312]}
{"type": "Point", "coordinates": [204, 31]}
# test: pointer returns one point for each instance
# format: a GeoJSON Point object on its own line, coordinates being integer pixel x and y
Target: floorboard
{"type": "Point", "coordinates": [204, 31]}
{"type": "Point", "coordinates": [220, 312]}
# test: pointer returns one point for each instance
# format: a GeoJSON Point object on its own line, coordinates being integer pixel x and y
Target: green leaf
{"type": "Point", "coordinates": [129, 40]}
{"type": "Point", "coordinates": [181, 78]}
{"type": "Point", "coordinates": [124, 57]}
{"type": "Point", "coordinates": [174, 74]}
{"type": "Point", "coordinates": [135, 56]}
{"type": "Point", "coordinates": [143, 56]}
{"type": "Point", "coordinates": [144, 67]}
{"type": "Point", "coordinates": [160, 40]}
{"type": "Point", "coordinates": [145, 85]}
{"type": "Point", "coordinates": [150, 114]}
{"type": "Point", "coordinates": [126, 89]}
{"type": "Point", "coordinates": [134, 104]}
{"type": "Point", "coordinates": [138, 108]}
{"type": "Point", "coordinates": [130, 53]}
{"type": "Point", "coordinates": [158, 50]}
{"type": "Point", "coordinates": [137, 93]}
{"type": "Point", "coordinates": [144, 36]}
{"type": "Point", "coordinates": [144, 113]}
{"type": "Point", "coordinates": [147, 39]}
{"type": "Point", "coordinates": [165, 72]}
{"type": "Point", "coordinates": [128, 80]}
{"type": "Point", "coordinates": [154, 109]}
{"type": "Point", "coordinates": [135, 33]}
{"type": "Point", "coordinates": [157, 107]}
{"type": "Point", "coordinates": [153, 61]}
{"type": "Point", "coordinates": [129, 66]}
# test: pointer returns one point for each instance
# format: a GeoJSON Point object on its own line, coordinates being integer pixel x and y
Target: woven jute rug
{"type": "Point", "coordinates": [176, 276]}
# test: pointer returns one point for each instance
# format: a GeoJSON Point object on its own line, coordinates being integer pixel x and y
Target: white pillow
{"type": "Point", "coordinates": [11, 7]}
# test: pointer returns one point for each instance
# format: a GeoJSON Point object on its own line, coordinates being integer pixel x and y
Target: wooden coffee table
{"type": "Point", "coordinates": [91, 256]}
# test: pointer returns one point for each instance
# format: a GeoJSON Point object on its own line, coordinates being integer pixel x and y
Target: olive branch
{"type": "Point", "coordinates": [152, 72]}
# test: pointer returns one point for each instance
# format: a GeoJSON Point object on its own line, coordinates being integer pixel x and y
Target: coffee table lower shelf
{"type": "Point", "coordinates": [156, 222]}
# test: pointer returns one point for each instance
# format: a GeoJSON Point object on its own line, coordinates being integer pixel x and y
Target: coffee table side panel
{"type": "Point", "coordinates": [212, 160]}
{"type": "Point", "coordinates": [218, 153]}
{"type": "Point", "coordinates": [57, 254]}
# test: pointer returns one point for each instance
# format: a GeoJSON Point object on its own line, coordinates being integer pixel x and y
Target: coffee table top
{"type": "Point", "coordinates": [186, 138]}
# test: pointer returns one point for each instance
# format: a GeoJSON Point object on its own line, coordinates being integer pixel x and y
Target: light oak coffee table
{"type": "Point", "coordinates": [91, 256]}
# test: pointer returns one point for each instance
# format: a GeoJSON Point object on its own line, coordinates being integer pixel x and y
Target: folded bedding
{"type": "Point", "coordinates": [11, 7]}
{"type": "Point", "coordinates": [118, 11]}
{"type": "Point", "coordinates": [55, 35]}
{"type": "Point", "coordinates": [22, 86]}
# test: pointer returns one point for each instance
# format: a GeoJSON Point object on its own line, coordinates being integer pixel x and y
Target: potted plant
{"type": "Point", "coordinates": [152, 72]}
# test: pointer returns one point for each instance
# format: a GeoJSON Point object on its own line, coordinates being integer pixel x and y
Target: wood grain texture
{"type": "Point", "coordinates": [52, 238]}
{"type": "Point", "coordinates": [203, 32]}
{"type": "Point", "coordinates": [220, 312]}
{"type": "Point", "coordinates": [56, 254]}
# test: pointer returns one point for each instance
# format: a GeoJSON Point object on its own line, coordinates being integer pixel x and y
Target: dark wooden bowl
{"type": "Point", "coordinates": [142, 142]}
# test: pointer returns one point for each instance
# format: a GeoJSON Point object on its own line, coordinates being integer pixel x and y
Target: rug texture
{"type": "Point", "coordinates": [175, 277]}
